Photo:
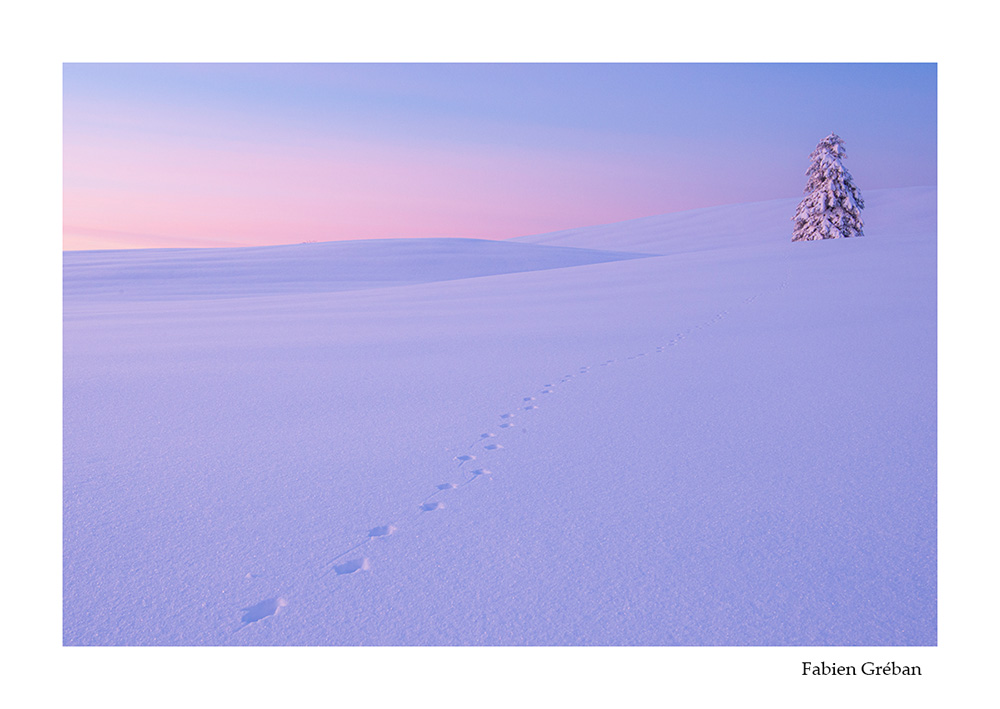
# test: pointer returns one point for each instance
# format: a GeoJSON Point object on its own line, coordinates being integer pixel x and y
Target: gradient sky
{"type": "Point", "coordinates": [168, 155]}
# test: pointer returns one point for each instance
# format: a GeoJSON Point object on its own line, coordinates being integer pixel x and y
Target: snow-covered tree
{"type": "Point", "coordinates": [832, 206]}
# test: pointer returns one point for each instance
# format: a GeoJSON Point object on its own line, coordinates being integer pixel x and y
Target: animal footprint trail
{"type": "Point", "coordinates": [272, 606]}
{"type": "Point", "coordinates": [386, 530]}
{"type": "Point", "coordinates": [339, 567]}
{"type": "Point", "coordinates": [379, 533]}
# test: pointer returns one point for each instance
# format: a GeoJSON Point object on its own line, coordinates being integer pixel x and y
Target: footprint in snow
{"type": "Point", "coordinates": [529, 408]}
{"type": "Point", "coordinates": [349, 567]}
{"type": "Point", "coordinates": [446, 486]}
{"type": "Point", "coordinates": [493, 447]}
{"type": "Point", "coordinates": [506, 416]}
{"type": "Point", "coordinates": [262, 610]}
{"type": "Point", "coordinates": [481, 471]}
{"type": "Point", "coordinates": [506, 425]}
{"type": "Point", "coordinates": [431, 506]}
{"type": "Point", "coordinates": [464, 459]}
{"type": "Point", "coordinates": [484, 436]}
{"type": "Point", "coordinates": [528, 398]}
{"type": "Point", "coordinates": [383, 531]}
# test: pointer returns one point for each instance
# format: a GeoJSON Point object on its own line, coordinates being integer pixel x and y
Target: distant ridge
{"type": "Point", "coordinates": [151, 274]}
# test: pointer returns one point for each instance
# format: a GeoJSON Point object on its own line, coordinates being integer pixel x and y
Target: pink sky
{"type": "Point", "coordinates": [178, 194]}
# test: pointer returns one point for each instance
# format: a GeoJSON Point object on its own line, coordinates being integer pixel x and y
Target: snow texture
{"type": "Point", "coordinates": [832, 205]}
{"type": "Point", "coordinates": [731, 441]}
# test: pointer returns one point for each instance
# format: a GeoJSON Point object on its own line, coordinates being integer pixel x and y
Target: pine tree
{"type": "Point", "coordinates": [832, 206]}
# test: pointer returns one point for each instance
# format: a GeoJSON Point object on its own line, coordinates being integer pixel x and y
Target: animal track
{"type": "Point", "coordinates": [383, 531]}
{"type": "Point", "coordinates": [349, 567]}
{"type": "Point", "coordinates": [484, 436]}
{"type": "Point", "coordinates": [262, 610]}
{"type": "Point", "coordinates": [272, 606]}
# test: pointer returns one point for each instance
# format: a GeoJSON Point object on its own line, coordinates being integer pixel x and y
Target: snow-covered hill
{"type": "Point", "coordinates": [149, 274]}
{"type": "Point", "coordinates": [732, 442]}
{"type": "Point", "coordinates": [904, 210]}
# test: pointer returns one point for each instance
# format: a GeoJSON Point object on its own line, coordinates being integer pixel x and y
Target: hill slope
{"type": "Point", "coordinates": [145, 274]}
{"type": "Point", "coordinates": [721, 446]}
{"type": "Point", "coordinates": [903, 210]}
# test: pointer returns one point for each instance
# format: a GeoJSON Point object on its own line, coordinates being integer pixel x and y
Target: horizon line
{"type": "Point", "coordinates": [220, 244]}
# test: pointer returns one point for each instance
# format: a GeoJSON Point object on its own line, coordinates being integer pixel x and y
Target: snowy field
{"type": "Point", "coordinates": [679, 430]}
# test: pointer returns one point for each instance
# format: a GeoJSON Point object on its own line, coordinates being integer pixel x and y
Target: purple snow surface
{"type": "Point", "coordinates": [738, 446]}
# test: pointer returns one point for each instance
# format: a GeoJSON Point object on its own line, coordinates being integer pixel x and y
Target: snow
{"type": "Point", "coordinates": [730, 441]}
{"type": "Point", "coordinates": [149, 274]}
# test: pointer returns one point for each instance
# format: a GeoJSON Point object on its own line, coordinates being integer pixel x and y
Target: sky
{"type": "Point", "coordinates": [207, 155]}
